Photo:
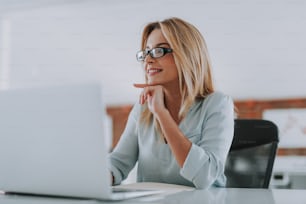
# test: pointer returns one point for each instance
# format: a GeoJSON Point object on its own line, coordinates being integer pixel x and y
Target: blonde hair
{"type": "Point", "coordinates": [191, 59]}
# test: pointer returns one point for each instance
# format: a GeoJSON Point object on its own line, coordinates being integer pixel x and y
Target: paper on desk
{"type": "Point", "coordinates": [166, 189]}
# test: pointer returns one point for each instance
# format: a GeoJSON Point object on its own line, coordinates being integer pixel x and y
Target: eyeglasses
{"type": "Point", "coordinates": [156, 52]}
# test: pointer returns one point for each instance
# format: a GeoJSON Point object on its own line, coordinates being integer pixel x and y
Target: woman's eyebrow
{"type": "Point", "coordinates": [160, 44]}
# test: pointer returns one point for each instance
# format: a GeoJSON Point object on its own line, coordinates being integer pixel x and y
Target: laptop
{"type": "Point", "coordinates": [52, 143]}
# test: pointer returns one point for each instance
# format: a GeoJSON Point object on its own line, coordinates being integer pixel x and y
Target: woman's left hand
{"type": "Point", "coordinates": [153, 95]}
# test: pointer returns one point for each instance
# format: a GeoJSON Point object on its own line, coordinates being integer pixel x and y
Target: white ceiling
{"type": "Point", "coordinates": [257, 46]}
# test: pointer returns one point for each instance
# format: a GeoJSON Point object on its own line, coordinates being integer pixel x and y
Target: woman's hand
{"type": "Point", "coordinates": [153, 95]}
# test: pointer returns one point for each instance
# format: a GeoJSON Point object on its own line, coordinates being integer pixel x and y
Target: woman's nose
{"type": "Point", "coordinates": [149, 59]}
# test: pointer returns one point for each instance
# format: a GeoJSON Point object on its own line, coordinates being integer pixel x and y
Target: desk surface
{"type": "Point", "coordinates": [211, 196]}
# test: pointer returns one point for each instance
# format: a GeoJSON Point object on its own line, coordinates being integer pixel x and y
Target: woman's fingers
{"type": "Point", "coordinates": [141, 85]}
{"type": "Point", "coordinates": [142, 95]}
{"type": "Point", "coordinates": [146, 92]}
{"type": "Point", "coordinates": [143, 98]}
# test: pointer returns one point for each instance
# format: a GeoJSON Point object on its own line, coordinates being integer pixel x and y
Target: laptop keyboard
{"type": "Point", "coordinates": [124, 190]}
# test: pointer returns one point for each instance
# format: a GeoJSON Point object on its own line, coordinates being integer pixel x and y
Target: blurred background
{"type": "Point", "coordinates": [257, 49]}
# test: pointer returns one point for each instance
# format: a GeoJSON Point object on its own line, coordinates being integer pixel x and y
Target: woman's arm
{"type": "Point", "coordinates": [206, 159]}
{"type": "Point", "coordinates": [178, 143]}
{"type": "Point", "coordinates": [125, 154]}
{"type": "Point", "coordinates": [203, 163]}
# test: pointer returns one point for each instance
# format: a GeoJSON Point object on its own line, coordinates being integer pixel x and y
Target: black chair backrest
{"type": "Point", "coordinates": [252, 154]}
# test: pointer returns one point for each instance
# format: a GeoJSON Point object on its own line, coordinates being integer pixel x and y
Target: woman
{"type": "Point", "coordinates": [181, 130]}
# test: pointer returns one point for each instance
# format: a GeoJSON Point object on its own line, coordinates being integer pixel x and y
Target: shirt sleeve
{"type": "Point", "coordinates": [125, 154]}
{"type": "Point", "coordinates": [204, 165]}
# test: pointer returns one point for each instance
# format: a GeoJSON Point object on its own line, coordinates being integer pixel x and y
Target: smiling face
{"type": "Point", "coordinates": [161, 70]}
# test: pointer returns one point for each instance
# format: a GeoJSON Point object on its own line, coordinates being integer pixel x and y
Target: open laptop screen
{"type": "Point", "coordinates": [52, 141]}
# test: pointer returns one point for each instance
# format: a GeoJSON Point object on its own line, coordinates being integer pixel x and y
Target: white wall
{"type": "Point", "coordinates": [257, 46]}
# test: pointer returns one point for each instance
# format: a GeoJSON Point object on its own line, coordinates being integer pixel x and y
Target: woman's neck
{"type": "Point", "coordinates": [173, 100]}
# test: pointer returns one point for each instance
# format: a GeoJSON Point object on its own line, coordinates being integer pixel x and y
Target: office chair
{"type": "Point", "coordinates": [252, 153]}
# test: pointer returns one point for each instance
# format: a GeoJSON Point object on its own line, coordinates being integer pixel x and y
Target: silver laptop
{"type": "Point", "coordinates": [52, 142]}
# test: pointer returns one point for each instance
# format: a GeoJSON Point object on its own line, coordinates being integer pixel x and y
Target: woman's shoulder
{"type": "Point", "coordinates": [218, 95]}
{"type": "Point", "coordinates": [217, 99]}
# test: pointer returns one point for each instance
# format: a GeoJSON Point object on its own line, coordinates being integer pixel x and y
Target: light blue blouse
{"type": "Point", "coordinates": [209, 125]}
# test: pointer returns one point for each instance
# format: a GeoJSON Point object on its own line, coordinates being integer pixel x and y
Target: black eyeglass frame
{"type": "Point", "coordinates": [151, 52]}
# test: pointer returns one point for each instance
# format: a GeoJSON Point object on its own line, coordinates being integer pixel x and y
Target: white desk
{"type": "Point", "coordinates": [212, 196]}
